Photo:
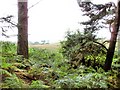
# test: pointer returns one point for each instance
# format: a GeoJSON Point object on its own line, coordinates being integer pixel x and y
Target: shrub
{"type": "Point", "coordinates": [83, 48]}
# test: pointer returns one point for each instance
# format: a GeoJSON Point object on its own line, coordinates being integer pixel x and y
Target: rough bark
{"type": "Point", "coordinates": [114, 33]}
{"type": "Point", "coordinates": [22, 48]}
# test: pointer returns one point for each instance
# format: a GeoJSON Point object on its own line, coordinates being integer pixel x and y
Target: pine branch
{"type": "Point", "coordinates": [101, 45]}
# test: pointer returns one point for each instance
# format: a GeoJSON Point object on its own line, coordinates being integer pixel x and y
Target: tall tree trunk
{"type": "Point", "coordinates": [114, 33]}
{"type": "Point", "coordinates": [22, 48]}
{"type": "Point", "coordinates": [119, 43]}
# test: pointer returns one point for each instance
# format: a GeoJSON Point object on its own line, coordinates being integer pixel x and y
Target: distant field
{"type": "Point", "coordinates": [56, 46]}
{"type": "Point", "coordinates": [47, 46]}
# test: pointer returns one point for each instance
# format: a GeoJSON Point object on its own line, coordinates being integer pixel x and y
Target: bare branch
{"type": "Point", "coordinates": [34, 4]}
{"type": "Point", "coordinates": [101, 45]}
{"type": "Point", "coordinates": [8, 20]}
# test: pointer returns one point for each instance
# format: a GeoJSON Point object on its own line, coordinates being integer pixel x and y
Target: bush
{"type": "Point", "coordinates": [83, 48]}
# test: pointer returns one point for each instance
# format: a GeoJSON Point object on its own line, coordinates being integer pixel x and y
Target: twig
{"type": "Point", "coordinates": [34, 4]}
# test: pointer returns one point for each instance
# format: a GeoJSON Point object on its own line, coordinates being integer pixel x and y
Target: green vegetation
{"type": "Point", "coordinates": [78, 62]}
{"type": "Point", "coordinates": [51, 69]}
{"type": "Point", "coordinates": [83, 49]}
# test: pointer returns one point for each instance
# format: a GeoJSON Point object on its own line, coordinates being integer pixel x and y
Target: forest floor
{"type": "Point", "coordinates": [47, 68]}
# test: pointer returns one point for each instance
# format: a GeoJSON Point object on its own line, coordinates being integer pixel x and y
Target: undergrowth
{"type": "Point", "coordinates": [49, 69]}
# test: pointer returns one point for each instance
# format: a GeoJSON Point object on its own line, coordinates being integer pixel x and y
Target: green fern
{"type": "Point", "coordinates": [14, 82]}
{"type": "Point", "coordinates": [38, 84]}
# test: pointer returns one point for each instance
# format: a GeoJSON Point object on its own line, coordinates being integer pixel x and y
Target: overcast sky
{"type": "Point", "coordinates": [50, 19]}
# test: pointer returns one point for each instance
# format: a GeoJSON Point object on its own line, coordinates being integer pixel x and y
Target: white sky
{"type": "Point", "coordinates": [50, 19]}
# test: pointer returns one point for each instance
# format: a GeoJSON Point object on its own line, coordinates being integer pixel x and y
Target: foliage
{"type": "Point", "coordinates": [50, 69]}
{"type": "Point", "coordinates": [14, 82]}
{"type": "Point", "coordinates": [79, 46]}
{"type": "Point", "coordinates": [45, 57]}
{"type": "Point", "coordinates": [91, 80]}
{"type": "Point", "coordinates": [116, 64]}
{"type": "Point", "coordinates": [99, 14]}
{"type": "Point", "coordinates": [38, 84]}
{"type": "Point", "coordinates": [7, 47]}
